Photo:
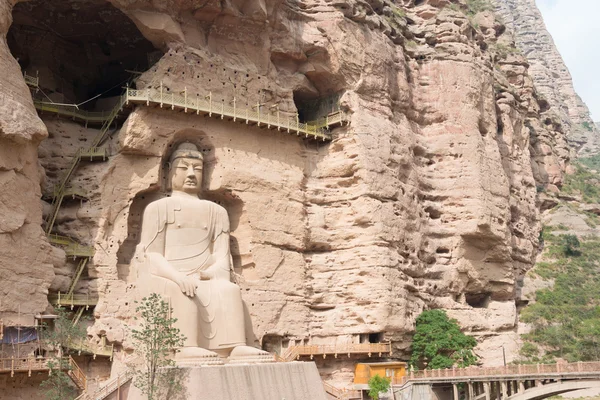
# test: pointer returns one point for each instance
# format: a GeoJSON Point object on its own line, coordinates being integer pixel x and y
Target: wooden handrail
{"type": "Point", "coordinates": [294, 352]}
{"type": "Point", "coordinates": [29, 364]}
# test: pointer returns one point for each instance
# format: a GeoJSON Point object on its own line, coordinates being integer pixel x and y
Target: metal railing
{"type": "Point", "coordinates": [342, 394]}
{"type": "Point", "coordinates": [67, 110]}
{"type": "Point", "coordinates": [62, 300]}
{"type": "Point", "coordinates": [71, 247]}
{"type": "Point", "coordinates": [508, 371]}
{"type": "Point", "coordinates": [230, 109]}
{"type": "Point", "coordinates": [85, 346]}
{"type": "Point", "coordinates": [32, 81]}
{"type": "Point", "coordinates": [295, 352]}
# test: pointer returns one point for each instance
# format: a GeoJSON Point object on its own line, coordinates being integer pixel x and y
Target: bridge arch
{"type": "Point", "coordinates": [553, 389]}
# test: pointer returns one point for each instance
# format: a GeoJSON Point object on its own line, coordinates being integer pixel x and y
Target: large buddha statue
{"type": "Point", "coordinates": [186, 259]}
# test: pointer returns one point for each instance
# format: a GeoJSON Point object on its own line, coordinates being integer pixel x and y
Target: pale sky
{"type": "Point", "coordinates": [575, 27]}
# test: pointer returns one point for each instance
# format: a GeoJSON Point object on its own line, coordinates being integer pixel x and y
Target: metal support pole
{"type": "Point", "coordinates": [455, 391]}
{"type": "Point", "coordinates": [504, 389]}
{"type": "Point", "coordinates": [258, 112]}
{"type": "Point", "coordinates": [470, 390]}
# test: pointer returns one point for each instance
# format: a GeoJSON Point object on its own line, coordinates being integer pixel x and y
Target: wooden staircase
{"type": "Point", "coordinates": [110, 387]}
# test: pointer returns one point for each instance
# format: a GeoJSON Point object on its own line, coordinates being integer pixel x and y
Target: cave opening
{"type": "Point", "coordinates": [78, 49]}
{"type": "Point", "coordinates": [478, 300]}
{"type": "Point", "coordinates": [311, 108]}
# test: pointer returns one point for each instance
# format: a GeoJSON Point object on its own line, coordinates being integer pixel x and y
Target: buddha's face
{"type": "Point", "coordinates": [186, 175]}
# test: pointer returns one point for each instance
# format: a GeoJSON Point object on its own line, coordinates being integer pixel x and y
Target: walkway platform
{"type": "Point", "coordinates": [63, 300]}
{"type": "Point", "coordinates": [206, 105]}
{"type": "Point", "coordinates": [295, 352]}
{"type": "Point", "coordinates": [71, 247]}
{"type": "Point", "coordinates": [28, 365]}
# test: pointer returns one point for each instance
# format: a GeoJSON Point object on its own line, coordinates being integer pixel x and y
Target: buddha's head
{"type": "Point", "coordinates": [185, 172]}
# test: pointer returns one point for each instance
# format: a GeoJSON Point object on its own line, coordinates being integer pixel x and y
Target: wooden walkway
{"type": "Point", "coordinates": [109, 387]}
{"type": "Point", "coordinates": [28, 365]}
{"type": "Point", "coordinates": [295, 352]}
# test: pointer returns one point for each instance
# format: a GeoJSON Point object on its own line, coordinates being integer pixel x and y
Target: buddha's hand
{"type": "Point", "coordinates": [205, 276]}
{"type": "Point", "coordinates": [187, 284]}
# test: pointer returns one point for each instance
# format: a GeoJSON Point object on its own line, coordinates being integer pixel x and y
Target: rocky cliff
{"type": "Point", "coordinates": [549, 72]}
{"type": "Point", "coordinates": [427, 199]}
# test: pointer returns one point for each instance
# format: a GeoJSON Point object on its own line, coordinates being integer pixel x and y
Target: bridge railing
{"type": "Point", "coordinates": [508, 370]}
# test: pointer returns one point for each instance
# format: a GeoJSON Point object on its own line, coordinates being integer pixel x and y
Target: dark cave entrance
{"type": "Point", "coordinates": [312, 108]}
{"type": "Point", "coordinates": [80, 49]}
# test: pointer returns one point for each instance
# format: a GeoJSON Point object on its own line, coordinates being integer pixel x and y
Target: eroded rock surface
{"type": "Point", "coordinates": [427, 199]}
{"type": "Point", "coordinates": [26, 258]}
{"type": "Point", "coordinates": [549, 72]}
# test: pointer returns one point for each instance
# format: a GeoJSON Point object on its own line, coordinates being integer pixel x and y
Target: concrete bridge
{"type": "Point", "coordinates": [512, 382]}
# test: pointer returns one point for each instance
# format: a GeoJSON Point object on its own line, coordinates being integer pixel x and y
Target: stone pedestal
{"type": "Point", "coordinates": [274, 381]}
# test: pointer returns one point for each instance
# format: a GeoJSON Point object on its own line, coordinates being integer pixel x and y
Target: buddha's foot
{"type": "Point", "coordinates": [249, 355]}
{"type": "Point", "coordinates": [194, 356]}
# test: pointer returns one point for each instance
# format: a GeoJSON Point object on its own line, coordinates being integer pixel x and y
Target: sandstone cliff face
{"type": "Point", "coordinates": [426, 200]}
{"type": "Point", "coordinates": [26, 258]}
{"type": "Point", "coordinates": [549, 72]}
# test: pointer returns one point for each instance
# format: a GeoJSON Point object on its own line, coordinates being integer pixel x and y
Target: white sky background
{"type": "Point", "coordinates": [575, 27]}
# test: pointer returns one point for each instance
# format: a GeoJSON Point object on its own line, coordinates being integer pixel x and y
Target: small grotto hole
{"type": "Point", "coordinates": [478, 300]}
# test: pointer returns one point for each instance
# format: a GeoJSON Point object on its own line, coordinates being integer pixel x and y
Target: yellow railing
{"type": "Point", "coordinates": [71, 247]}
{"type": "Point", "coordinates": [94, 117]}
{"type": "Point", "coordinates": [62, 300]}
{"type": "Point", "coordinates": [32, 81]}
{"type": "Point", "coordinates": [231, 110]}
{"type": "Point", "coordinates": [295, 352]}
{"type": "Point", "coordinates": [77, 375]}
{"type": "Point", "coordinates": [85, 346]}
{"type": "Point", "coordinates": [71, 191]}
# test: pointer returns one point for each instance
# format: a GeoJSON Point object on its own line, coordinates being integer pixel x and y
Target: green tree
{"type": "Point", "coordinates": [156, 340]}
{"type": "Point", "coordinates": [439, 343]}
{"type": "Point", "coordinates": [378, 385]}
{"type": "Point", "coordinates": [59, 385]}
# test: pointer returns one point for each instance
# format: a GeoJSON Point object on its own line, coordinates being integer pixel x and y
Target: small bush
{"type": "Point", "coordinates": [476, 6]}
{"type": "Point", "coordinates": [378, 385]}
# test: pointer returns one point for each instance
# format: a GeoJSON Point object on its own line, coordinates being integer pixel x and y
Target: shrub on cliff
{"type": "Point", "coordinates": [378, 385]}
{"type": "Point", "coordinates": [439, 343]}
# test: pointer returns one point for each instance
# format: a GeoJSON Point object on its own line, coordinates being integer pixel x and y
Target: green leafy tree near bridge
{"type": "Point", "coordinates": [439, 343]}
